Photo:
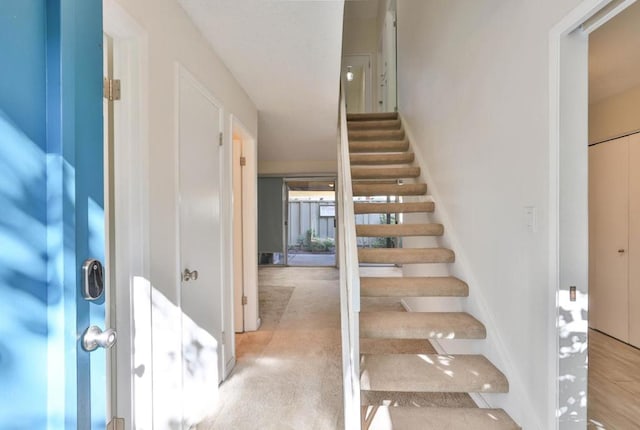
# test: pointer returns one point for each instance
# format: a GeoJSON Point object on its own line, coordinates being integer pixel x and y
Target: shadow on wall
{"type": "Point", "coordinates": [185, 360]}
{"type": "Point", "coordinates": [37, 290]}
{"type": "Point", "coordinates": [23, 279]}
{"type": "Point", "coordinates": [573, 326]}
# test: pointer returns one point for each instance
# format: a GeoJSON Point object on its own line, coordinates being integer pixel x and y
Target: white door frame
{"type": "Point", "coordinates": [249, 227]}
{"type": "Point", "coordinates": [132, 307]}
{"type": "Point", "coordinates": [568, 209]}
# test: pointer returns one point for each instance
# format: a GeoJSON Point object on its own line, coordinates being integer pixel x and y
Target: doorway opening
{"type": "Point", "coordinates": [357, 71]}
{"type": "Point", "coordinates": [245, 233]}
{"type": "Point", "coordinates": [614, 222]}
{"type": "Point", "coordinates": [569, 208]}
{"type": "Point", "coordinates": [369, 61]}
{"type": "Point", "coordinates": [311, 222]}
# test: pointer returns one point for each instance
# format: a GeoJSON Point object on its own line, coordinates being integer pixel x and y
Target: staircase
{"type": "Point", "coordinates": [382, 166]}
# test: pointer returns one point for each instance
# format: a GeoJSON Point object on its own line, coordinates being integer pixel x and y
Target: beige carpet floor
{"type": "Point", "coordinates": [288, 374]}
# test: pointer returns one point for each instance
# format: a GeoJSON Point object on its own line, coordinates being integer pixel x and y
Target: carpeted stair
{"type": "Point", "coordinates": [382, 166]}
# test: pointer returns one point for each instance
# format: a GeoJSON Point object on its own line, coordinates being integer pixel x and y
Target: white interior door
{"type": "Point", "coordinates": [238, 237]}
{"type": "Point", "coordinates": [634, 240]}
{"type": "Point", "coordinates": [199, 124]}
{"type": "Point", "coordinates": [390, 97]}
{"type": "Point", "coordinates": [609, 237]}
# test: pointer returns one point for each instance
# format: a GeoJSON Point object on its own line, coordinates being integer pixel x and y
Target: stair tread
{"type": "Point", "coordinates": [384, 208]}
{"type": "Point", "coordinates": [410, 418]}
{"type": "Point", "coordinates": [376, 134]}
{"type": "Point", "coordinates": [384, 172]}
{"type": "Point", "coordinates": [405, 255]}
{"type": "Point", "coordinates": [397, 230]}
{"type": "Point", "coordinates": [372, 116]}
{"type": "Point", "coordinates": [379, 146]}
{"type": "Point", "coordinates": [433, 286]}
{"type": "Point", "coordinates": [388, 189]}
{"type": "Point", "coordinates": [420, 325]}
{"type": "Point", "coordinates": [377, 124]}
{"type": "Point", "coordinates": [431, 373]}
{"type": "Point", "coordinates": [384, 158]}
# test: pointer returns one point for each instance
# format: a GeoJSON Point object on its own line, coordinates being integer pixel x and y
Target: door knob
{"type": "Point", "coordinates": [189, 275]}
{"type": "Point", "coordinates": [94, 338]}
{"type": "Point", "coordinates": [621, 251]}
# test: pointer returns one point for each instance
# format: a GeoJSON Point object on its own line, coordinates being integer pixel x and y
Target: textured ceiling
{"type": "Point", "coordinates": [286, 55]}
{"type": "Point", "coordinates": [614, 55]}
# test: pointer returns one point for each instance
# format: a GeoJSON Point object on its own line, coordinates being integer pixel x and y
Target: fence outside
{"type": "Point", "coordinates": [305, 215]}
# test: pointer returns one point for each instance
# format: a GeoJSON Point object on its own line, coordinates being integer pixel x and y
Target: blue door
{"type": "Point", "coordinates": [51, 213]}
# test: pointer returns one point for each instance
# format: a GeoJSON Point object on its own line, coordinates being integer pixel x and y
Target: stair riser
{"type": "Point", "coordinates": [360, 190]}
{"type": "Point", "coordinates": [385, 173]}
{"type": "Point", "coordinates": [431, 373]}
{"type": "Point", "coordinates": [400, 230]}
{"type": "Point", "coordinates": [361, 135]}
{"type": "Point", "coordinates": [385, 208]}
{"type": "Point", "coordinates": [379, 146]}
{"type": "Point", "coordinates": [381, 159]}
{"type": "Point", "coordinates": [413, 287]}
{"type": "Point", "coordinates": [393, 124]}
{"type": "Point", "coordinates": [418, 325]}
{"type": "Point", "coordinates": [385, 418]}
{"type": "Point", "coordinates": [405, 256]}
{"type": "Point", "coordinates": [412, 292]}
{"type": "Point", "coordinates": [376, 116]}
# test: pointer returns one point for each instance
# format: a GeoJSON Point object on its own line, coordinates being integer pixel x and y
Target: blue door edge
{"type": "Point", "coordinates": [75, 215]}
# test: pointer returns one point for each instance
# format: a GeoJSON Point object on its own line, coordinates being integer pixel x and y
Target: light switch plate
{"type": "Point", "coordinates": [530, 219]}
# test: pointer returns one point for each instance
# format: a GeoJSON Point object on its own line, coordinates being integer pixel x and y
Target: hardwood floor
{"type": "Point", "coordinates": [614, 384]}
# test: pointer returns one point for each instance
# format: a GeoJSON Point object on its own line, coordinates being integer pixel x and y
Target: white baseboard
{"type": "Point", "coordinates": [228, 368]}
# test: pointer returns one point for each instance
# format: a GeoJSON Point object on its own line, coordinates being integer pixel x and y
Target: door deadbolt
{"type": "Point", "coordinates": [92, 279]}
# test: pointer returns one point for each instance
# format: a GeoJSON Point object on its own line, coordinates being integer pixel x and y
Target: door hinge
{"type": "Point", "coordinates": [220, 139]}
{"type": "Point", "coordinates": [116, 424]}
{"type": "Point", "coordinates": [243, 161]}
{"type": "Point", "coordinates": [111, 89]}
{"type": "Point", "coordinates": [244, 300]}
{"type": "Point", "coordinates": [223, 338]}
{"type": "Point", "coordinates": [395, 24]}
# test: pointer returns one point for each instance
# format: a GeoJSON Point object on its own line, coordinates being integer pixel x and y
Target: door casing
{"type": "Point", "coordinates": [130, 305]}
{"type": "Point", "coordinates": [568, 209]}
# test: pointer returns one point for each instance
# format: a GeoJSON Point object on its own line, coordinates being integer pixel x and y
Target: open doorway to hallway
{"type": "Point", "coordinates": [369, 61]}
{"type": "Point", "coordinates": [614, 222]}
{"type": "Point", "coordinates": [288, 373]}
{"type": "Point", "coordinates": [311, 222]}
{"type": "Point", "coordinates": [245, 228]}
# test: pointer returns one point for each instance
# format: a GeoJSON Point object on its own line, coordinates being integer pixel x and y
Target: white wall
{"type": "Point", "coordinates": [614, 116]}
{"type": "Point", "coordinates": [302, 167]}
{"type": "Point", "coordinates": [360, 36]}
{"type": "Point", "coordinates": [173, 38]}
{"type": "Point", "coordinates": [474, 95]}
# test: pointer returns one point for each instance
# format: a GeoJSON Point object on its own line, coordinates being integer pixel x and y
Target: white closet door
{"type": "Point", "coordinates": [634, 240]}
{"type": "Point", "coordinates": [199, 125]}
{"type": "Point", "coordinates": [609, 237]}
